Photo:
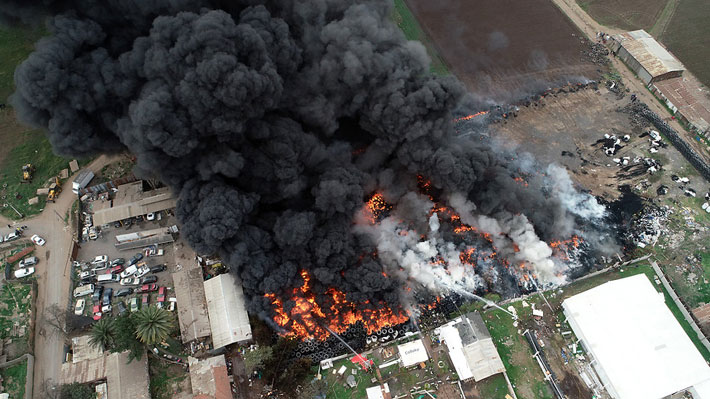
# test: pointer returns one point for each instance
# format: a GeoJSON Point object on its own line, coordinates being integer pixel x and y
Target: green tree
{"type": "Point", "coordinates": [153, 324]}
{"type": "Point", "coordinates": [255, 360]}
{"type": "Point", "coordinates": [125, 337]}
{"type": "Point", "coordinates": [76, 391]}
{"type": "Point", "coordinates": [103, 333]}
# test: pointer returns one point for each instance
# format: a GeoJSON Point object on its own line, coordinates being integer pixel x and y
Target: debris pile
{"type": "Point", "coordinates": [648, 225]}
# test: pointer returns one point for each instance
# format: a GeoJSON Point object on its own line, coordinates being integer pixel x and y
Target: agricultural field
{"type": "Point", "coordinates": [403, 17]}
{"type": "Point", "coordinates": [624, 14]}
{"type": "Point", "coordinates": [681, 25]}
{"type": "Point", "coordinates": [688, 37]}
{"type": "Point", "coordinates": [499, 47]}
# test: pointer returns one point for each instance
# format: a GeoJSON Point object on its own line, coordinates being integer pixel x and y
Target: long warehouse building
{"type": "Point", "coordinates": [637, 347]}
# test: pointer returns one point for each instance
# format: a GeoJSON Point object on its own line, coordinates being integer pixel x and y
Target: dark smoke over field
{"type": "Point", "coordinates": [274, 122]}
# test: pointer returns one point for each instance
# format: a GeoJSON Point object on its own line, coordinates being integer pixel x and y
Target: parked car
{"type": "Point", "coordinates": [149, 279]}
{"type": "Point", "coordinates": [31, 261]}
{"type": "Point", "coordinates": [106, 309]}
{"type": "Point", "coordinates": [145, 300]}
{"type": "Point", "coordinates": [150, 216]}
{"type": "Point", "coordinates": [86, 281]}
{"type": "Point", "coordinates": [100, 259]}
{"type": "Point", "coordinates": [121, 308]}
{"type": "Point", "coordinates": [97, 312]}
{"type": "Point", "coordinates": [86, 274]}
{"type": "Point", "coordinates": [142, 271]}
{"type": "Point", "coordinates": [130, 281]}
{"type": "Point", "coordinates": [108, 295]}
{"type": "Point", "coordinates": [133, 304]}
{"type": "Point", "coordinates": [161, 294]}
{"type": "Point", "coordinates": [21, 273]}
{"type": "Point", "coordinates": [147, 288]}
{"type": "Point", "coordinates": [117, 224]}
{"type": "Point", "coordinates": [79, 307]}
{"type": "Point", "coordinates": [158, 269]}
{"type": "Point", "coordinates": [118, 261]}
{"type": "Point", "coordinates": [138, 256]}
{"type": "Point", "coordinates": [129, 271]}
{"type": "Point", "coordinates": [12, 236]}
{"type": "Point", "coordinates": [38, 240]}
{"type": "Point", "coordinates": [97, 293]}
{"type": "Point", "coordinates": [124, 292]}
{"type": "Point", "coordinates": [171, 306]}
{"type": "Point", "coordinates": [116, 269]}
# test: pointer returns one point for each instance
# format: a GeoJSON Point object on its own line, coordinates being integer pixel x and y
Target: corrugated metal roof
{"type": "Point", "coordinates": [132, 201]}
{"type": "Point", "coordinates": [228, 313]}
{"type": "Point", "coordinates": [190, 294]}
{"type": "Point", "coordinates": [209, 377]}
{"type": "Point", "coordinates": [649, 53]}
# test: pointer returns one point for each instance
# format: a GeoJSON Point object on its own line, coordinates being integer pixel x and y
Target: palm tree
{"type": "Point", "coordinates": [102, 333]}
{"type": "Point", "coordinates": [153, 324]}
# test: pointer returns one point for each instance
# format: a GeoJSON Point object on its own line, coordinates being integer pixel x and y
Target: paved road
{"type": "Point", "coordinates": [53, 277]}
{"type": "Point", "coordinates": [590, 27]}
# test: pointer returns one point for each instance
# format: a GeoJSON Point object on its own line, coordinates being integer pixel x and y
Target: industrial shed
{"type": "Point", "coordinates": [229, 320]}
{"type": "Point", "coordinates": [130, 201]}
{"type": "Point", "coordinates": [645, 56]}
{"type": "Point", "coordinates": [636, 346]}
{"type": "Point", "coordinates": [471, 348]}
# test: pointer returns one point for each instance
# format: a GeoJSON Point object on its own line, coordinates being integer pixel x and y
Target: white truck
{"type": "Point", "coordinates": [81, 180]}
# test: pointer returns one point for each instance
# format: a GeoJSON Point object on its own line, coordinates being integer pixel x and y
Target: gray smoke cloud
{"type": "Point", "coordinates": [272, 122]}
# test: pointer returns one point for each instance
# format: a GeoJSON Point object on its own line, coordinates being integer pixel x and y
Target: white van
{"type": "Point", "coordinates": [107, 278]}
{"type": "Point", "coordinates": [84, 290]}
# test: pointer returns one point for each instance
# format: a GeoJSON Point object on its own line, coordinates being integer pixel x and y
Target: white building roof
{"type": "Point", "coordinates": [227, 310]}
{"type": "Point", "coordinates": [412, 353]}
{"type": "Point", "coordinates": [641, 350]}
{"type": "Point", "coordinates": [377, 392]}
{"type": "Point", "coordinates": [450, 335]}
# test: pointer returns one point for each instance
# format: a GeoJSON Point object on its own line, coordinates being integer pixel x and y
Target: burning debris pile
{"type": "Point", "coordinates": [293, 134]}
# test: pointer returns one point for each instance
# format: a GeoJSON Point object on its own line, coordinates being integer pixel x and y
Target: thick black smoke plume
{"type": "Point", "coordinates": [272, 121]}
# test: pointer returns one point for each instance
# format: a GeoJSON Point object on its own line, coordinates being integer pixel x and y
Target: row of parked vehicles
{"type": "Point", "coordinates": [101, 271]}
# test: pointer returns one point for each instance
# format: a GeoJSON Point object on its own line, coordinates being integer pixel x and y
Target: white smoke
{"type": "Point", "coordinates": [580, 204]}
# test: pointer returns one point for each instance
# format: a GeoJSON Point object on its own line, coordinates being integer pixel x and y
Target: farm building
{"type": "Point", "coordinates": [471, 348]}
{"type": "Point", "coordinates": [229, 321]}
{"type": "Point", "coordinates": [636, 346]}
{"type": "Point", "coordinates": [688, 99]}
{"type": "Point", "coordinates": [645, 56]}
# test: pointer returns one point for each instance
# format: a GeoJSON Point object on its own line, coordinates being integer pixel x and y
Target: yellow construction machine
{"type": "Point", "coordinates": [54, 189]}
{"type": "Point", "coordinates": [27, 171]}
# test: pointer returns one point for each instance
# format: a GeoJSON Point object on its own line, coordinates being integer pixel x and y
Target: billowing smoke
{"type": "Point", "coordinates": [273, 122]}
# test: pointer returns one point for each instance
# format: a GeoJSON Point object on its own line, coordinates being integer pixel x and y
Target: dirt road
{"type": "Point", "coordinates": [590, 27]}
{"type": "Point", "coordinates": [53, 277]}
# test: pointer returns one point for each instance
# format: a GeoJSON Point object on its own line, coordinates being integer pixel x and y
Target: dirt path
{"type": "Point", "coordinates": [53, 277]}
{"type": "Point", "coordinates": [590, 27]}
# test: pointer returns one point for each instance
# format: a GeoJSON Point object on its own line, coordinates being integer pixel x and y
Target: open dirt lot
{"type": "Point", "coordinates": [506, 45]}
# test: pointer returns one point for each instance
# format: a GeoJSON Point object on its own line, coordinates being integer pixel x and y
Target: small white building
{"type": "Point", "coordinates": [378, 392]}
{"type": "Point", "coordinates": [412, 353]}
{"type": "Point", "coordinates": [636, 345]}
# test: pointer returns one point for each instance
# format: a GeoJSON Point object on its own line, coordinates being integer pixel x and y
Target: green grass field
{"type": "Point", "coordinates": [688, 37]}
{"type": "Point", "coordinates": [33, 148]}
{"type": "Point", "coordinates": [413, 31]}
{"type": "Point", "coordinates": [14, 378]}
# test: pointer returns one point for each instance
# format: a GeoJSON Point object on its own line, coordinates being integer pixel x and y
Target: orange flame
{"type": "Point", "coordinates": [376, 208]}
{"type": "Point", "coordinates": [307, 319]}
{"type": "Point", "coordinates": [469, 117]}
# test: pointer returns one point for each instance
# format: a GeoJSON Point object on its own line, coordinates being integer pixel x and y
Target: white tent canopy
{"type": "Point", "coordinates": [641, 351]}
